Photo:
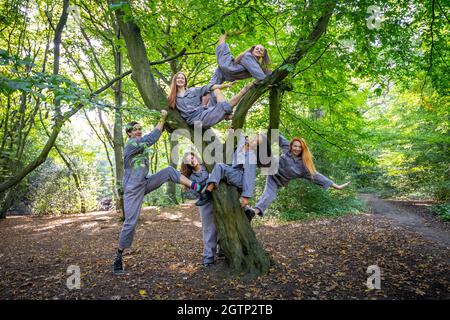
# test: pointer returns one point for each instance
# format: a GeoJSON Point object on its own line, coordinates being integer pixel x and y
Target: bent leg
{"type": "Point", "coordinates": [217, 173]}
{"type": "Point", "coordinates": [218, 77]}
{"type": "Point", "coordinates": [214, 115]}
{"type": "Point", "coordinates": [223, 56]}
{"type": "Point", "coordinates": [158, 179]}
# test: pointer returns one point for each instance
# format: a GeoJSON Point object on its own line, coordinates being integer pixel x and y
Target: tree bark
{"type": "Point", "coordinates": [171, 187]}
{"type": "Point", "coordinates": [76, 178]}
{"type": "Point", "coordinates": [7, 202]}
{"type": "Point", "coordinates": [118, 125]}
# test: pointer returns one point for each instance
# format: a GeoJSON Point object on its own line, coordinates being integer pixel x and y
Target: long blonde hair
{"type": "Point", "coordinates": [265, 60]}
{"type": "Point", "coordinates": [172, 98]}
{"type": "Point", "coordinates": [306, 154]}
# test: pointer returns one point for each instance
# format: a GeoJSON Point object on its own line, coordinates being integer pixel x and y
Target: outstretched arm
{"type": "Point", "coordinates": [222, 86]}
{"type": "Point", "coordinates": [162, 120]}
{"type": "Point", "coordinates": [136, 145]}
{"type": "Point", "coordinates": [325, 182]}
{"type": "Point", "coordinates": [283, 143]}
{"type": "Point", "coordinates": [342, 186]}
{"type": "Point", "coordinates": [154, 136]}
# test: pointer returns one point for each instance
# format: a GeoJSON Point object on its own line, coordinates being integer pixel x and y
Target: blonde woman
{"type": "Point", "coordinates": [253, 62]}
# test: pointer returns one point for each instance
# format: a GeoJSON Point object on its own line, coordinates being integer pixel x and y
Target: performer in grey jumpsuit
{"type": "Point", "coordinates": [291, 166]}
{"type": "Point", "coordinates": [136, 183]}
{"type": "Point", "coordinates": [198, 173]}
{"type": "Point", "coordinates": [241, 173]}
{"type": "Point", "coordinates": [189, 101]}
{"type": "Point", "coordinates": [244, 66]}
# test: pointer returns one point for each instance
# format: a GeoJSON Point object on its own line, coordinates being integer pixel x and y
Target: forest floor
{"type": "Point", "coordinates": [317, 259]}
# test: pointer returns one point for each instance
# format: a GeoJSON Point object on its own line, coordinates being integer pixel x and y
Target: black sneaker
{"type": "Point", "coordinates": [203, 199]}
{"type": "Point", "coordinates": [118, 266]}
{"type": "Point", "coordinates": [208, 264]}
{"type": "Point", "coordinates": [250, 213]}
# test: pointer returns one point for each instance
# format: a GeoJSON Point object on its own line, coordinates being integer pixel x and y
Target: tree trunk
{"type": "Point", "coordinates": [274, 109]}
{"type": "Point", "coordinates": [76, 178]}
{"type": "Point", "coordinates": [118, 124]}
{"type": "Point", "coordinates": [7, 202]}
{"type": "Point", "coordinates": [171, 187]}
{"type": "Point", "coordinates": [243, 251]}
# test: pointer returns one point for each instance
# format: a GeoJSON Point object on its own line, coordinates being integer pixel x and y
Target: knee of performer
{"type": "Point", "coordinates": [219, 167]}
{"type": "Point", "coordinates": [173, 174]}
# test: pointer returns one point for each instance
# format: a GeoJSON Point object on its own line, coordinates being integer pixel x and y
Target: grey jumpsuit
{"type": "Point", "coordinates": [207, 217]}
{"type": "Point", "coordinates": [228, 70]}
{"type": "Point", "coordinates": [241, 173]}
{"type": "Point", "coordinates": [290, 167]}
{"type": "Point", "coordinates": [191, 108]}
{"type": "Point", "coordinates": [136, 183]}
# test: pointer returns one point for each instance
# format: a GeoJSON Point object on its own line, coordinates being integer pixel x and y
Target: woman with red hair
{"type": "Point", "coordinates": [295, 162]}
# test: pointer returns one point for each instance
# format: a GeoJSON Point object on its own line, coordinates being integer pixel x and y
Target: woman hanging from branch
{"type": "Point", "coordinates": [242, 172]}
{"type": "Point", "coordinates": [253, 62]}
{"type": "Point", "coordinates": [295, 162]}
{"type": "Point", "coordinates": [189, 101]}
{"type": "Point", "coordinates": [137, 183]}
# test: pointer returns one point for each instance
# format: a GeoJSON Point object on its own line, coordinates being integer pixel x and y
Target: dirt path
{"type": "Point", "coordinates": [412, 215]}
{"type": "Point", "coordinates": [321, 259]}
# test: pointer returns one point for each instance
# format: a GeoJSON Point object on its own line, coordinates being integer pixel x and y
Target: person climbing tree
{"type": "Point", "coordinates": [253, 62]}
{"type": "Point", "coordinates": [295, 162]}
{"type": "Point", "coordinates": [189, 101]}
{"type": "Point", "coordinates": [241, 173]}
{"type": "Point", "coordinates": [137, 183]}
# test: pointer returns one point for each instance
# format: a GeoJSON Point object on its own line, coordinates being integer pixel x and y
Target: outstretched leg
{"type": "Point", "coordinates": [220, 172]}
{"type": "Point", "coordinates": [269, 194]}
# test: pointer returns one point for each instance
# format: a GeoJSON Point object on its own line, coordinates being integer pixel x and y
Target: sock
{"type": "Point", "coordinates": [196, 186]}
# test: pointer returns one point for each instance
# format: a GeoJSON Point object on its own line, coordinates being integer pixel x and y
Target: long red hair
{"type": "Point", "coordinates": [306, 154]}
{"type": "Point", "coordinates": [172, 98]}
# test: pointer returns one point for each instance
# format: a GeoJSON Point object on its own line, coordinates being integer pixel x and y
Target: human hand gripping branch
{"type": "Point", "coordinates": [223, 85]}
{"type": "Point", "coordinates": [162, 120]}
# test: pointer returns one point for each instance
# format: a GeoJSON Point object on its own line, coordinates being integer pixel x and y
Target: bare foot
{"type": "Point", "coordinates": [222, 38]}
{"type": "Point", "coordinates": [342, 186]}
